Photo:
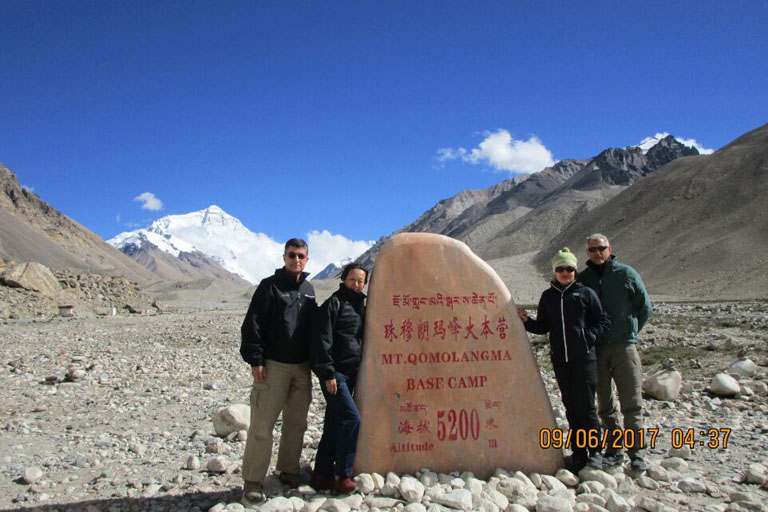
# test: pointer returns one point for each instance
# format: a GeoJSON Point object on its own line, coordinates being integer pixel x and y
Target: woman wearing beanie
{"type": "Point", "coordinates": [572, 315]}
{"type": "Point", "coordinates": [335, 360]}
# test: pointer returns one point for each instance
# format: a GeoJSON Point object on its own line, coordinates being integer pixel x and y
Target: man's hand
{"type": "Point", "coordinates": [259, 373]}
{"type": "Point", "coordinates": [523, 314]}
{"type": "Point", "coordinates": [330, 385]}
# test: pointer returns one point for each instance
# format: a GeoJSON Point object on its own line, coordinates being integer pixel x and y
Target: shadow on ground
{"type": "Point", "coordinates": [179, 502]}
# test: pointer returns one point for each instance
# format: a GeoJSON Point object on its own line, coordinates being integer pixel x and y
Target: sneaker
{"type": "Point", "coordinates": [253, 494]}
{"type": "Point", "coordinates": [291, 479]}
{"type": "Point", "coordinates": [595, 460]}
{"type": "Point", "coordinates": [638, 464]}
{"type": "Point", "coordinates": [345, 485]}
{"type": "Point", "coordinates": [320, 483]}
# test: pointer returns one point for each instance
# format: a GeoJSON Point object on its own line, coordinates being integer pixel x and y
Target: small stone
{"type": "Point", "coordinates": [691, 485]}
{"type": "Point", "coordinates": [193, 462]}
{"type": "Point", "coordinates": [218, 465]}
{"type": "Point", "coordinates": [756, 474]}
{"type": "Point", "coordinates": [549, 503]}
{"type": "Point", "coordinates": [365, 483]}
{"type": "Point", "coordinates": [663, 385]}
{"type": "Point", "coordinates": [567, 477]}
{"type": "Point", "coordinates": [744, 368]}
{"type": "Point", "coordinates": [32, 474]}
{"type": "Point", "coordinates": [231, 419]}
{"type": "Point", "coordinates": [411, 489]}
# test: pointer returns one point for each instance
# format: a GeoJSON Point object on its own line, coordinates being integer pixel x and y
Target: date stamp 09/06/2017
{"type": "Point", "coordinates": [617, 439]}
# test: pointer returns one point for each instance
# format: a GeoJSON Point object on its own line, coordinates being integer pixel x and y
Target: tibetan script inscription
{"type": "Point", "coordinates": [448, 380]}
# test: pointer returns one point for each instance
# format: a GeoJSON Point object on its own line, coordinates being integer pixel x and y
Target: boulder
{"type": "Point", "coordinates": [663, 385]}
{"type": "Point", "coordinates": [743, 368]}
{"type": "Point", "coordinates": [724, 385]}
{"type": "Point", "coordinates": [231, 418]}
{"type": "Point", "coordinates": [32, 276]}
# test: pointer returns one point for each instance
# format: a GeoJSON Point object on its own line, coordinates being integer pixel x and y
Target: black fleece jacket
{"type": "Point", "coordinates": [338, 342]}
{"type": "Point", "coordinates": [278, 323]}
{"type": "Point", "coordinates": [574, 319]}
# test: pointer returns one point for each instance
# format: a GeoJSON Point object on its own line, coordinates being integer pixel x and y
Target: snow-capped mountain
{"type": "Point", "coordinates": [214, 233]}
{"type": "Point", "coordinates": [649, 142]}
{"type": "Point", "coordinates": [332, 269]}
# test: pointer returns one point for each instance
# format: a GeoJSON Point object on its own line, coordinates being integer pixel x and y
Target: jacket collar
{"type": "Point", "coordinates": [350, 295]}
{"type": "Point", "coordinates": [283, 275]}
{"type": "Point", "coordinates": [608, 263]}
{"type": "Point", "coordinates": [562, 289]}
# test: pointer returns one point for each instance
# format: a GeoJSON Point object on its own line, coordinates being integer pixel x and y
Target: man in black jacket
{"type": "Point", "coordinates": [275, 342]}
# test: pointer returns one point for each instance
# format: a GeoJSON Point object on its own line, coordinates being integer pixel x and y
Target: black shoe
{"type": "Point", "coordinates": [253, 494]}
{"type": "Point", "coordinates": [292, 480]}
{"type": "Point", "coordinates": [575, 463]}
{"type": "Point", "coordinates": [613, 460]}
{"type": "Point", "coordinates": [637, 464]}
{"type": "Point", "coordinates": [595, 460]}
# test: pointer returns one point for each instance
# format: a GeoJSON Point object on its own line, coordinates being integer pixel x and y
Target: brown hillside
{"type": "Point", "coordinates": [696, 228]}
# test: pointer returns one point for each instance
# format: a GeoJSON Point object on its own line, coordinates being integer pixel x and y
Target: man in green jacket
{"type": "Point", "coordinates": [626, 301]}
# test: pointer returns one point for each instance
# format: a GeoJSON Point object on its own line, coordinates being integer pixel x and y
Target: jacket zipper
{"type": "Point", "coordinates": [562, 318]}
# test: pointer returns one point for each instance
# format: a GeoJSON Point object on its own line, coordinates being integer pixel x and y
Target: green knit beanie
{"type": "Point", "coordinates": [564, 258]}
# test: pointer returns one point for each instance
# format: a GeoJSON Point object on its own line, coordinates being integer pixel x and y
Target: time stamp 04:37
{"type": "Point", "coordinates": [617, 439]}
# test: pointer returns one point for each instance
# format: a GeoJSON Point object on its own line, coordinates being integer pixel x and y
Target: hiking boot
{"type": "Point", "coordinates": [595, 460]}
{"type": "Point", "coordinates": [613, 460]}
{"type": "Point", "coordinates": [253, 494]}
{"type": "Point", "coordinates": [345, 485]}
{"type": "Point", "coordinates": [320, 483]}
{"type": "Point", "coordinates": [292, 480]}
{"type": "Point", "coordinates": [637, 464]}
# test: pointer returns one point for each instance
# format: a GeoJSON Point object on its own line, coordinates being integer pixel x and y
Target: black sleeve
{"type": "Point", "coordinates": [256, 325]}
{"type": "Point", "coordinates": [599, 323]}
{"type": "Point", "coordinates": [540, 324]}
{"type": "Point", "coordinates": [322, 343]}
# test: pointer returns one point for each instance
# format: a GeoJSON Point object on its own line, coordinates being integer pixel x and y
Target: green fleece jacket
{"type": "Point", "coordinates": [623, 297]}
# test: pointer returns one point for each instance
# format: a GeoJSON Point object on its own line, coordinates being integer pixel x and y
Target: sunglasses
{"type": "Point", "coordinates": [565, 269]}
{"type": "Point", "coordinates": [299, 255]}
{"type": "Point", "coordinates": [597, 249]}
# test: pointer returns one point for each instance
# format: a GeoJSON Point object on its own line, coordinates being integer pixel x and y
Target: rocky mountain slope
{"type": "Point", "coordinates": [695, 228]}
{"type": "Point", "coordinates": [510, 221]}
{"type": "Point", "coordinates": [33, 230]}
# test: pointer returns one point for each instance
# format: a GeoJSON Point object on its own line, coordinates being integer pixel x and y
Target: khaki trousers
{"type": "Point", "coordinates": [287, 388]}
{"type": "Point", "coordinates": [620, 363]}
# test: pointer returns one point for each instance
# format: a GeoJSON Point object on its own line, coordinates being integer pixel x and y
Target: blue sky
{"type": "Point", "coordinates": [300, 116]}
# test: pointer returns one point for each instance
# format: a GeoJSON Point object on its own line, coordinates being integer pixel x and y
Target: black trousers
{"type": "Point", "coordinates": [577, 383]}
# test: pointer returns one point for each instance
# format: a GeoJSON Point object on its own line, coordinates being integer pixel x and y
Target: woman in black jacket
{"type": "Point", "coordinates": [335, 360]}
{"type": "Point", "coordinates": [574, 318]}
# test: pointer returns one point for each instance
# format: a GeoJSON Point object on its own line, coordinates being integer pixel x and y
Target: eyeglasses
{"type": "Point", "coordinates": [299, 255]}
{"type": "Point", "coordinates": [565, 269]}
{"type": "Point", "coordinates": [600, 248]}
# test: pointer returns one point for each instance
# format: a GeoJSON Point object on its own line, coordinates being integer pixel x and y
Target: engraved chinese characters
{"type": "Point", "coordinates": [448, 380]}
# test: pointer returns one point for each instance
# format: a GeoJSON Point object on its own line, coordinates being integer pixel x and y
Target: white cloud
{"type": "Point", "coordinates": [28, 189]}
{"type": "Point", "coordinates": [149, 201]}
{"type": "Point", "coordinates": [325, 248]}
{"type": "Point", "coordinates": [648, 142]}
{"type": "Point", "coordinates": [504, 153]}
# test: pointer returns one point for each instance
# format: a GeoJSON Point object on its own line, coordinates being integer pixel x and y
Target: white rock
{"type": "Point", "coordinates": [674, 463]}
{"type": "Point", "coordinates": [658, 473]}
{"type": "Point", "coordinates": [524, 478]}
{"type": "Point", "coordinates": [663, 385]}
{"type": "Point", "coordinates": [724, 385]}
{"type": "Point", "coordinates": [691, 485]}
{"type": "Point", "coordinates": [589, 497]}
{"type": "Point", "coordinates": [517, 508]}
{"type": "Point", "coordinates": [276, 504]}
{"type": "Point", "coordinates": [647, 482]}
{"type": "Point", "coordinates": [428, 478]}
{"type": "Point", "coordinates": [552, 483]}
{"type": "Point", "coordinates": [365, 483]}
{"type": "Point", "coordinates": [234, 507]}
{"type": "Point", "coordinates": [150, 490]}
{"type": "Point", "coordinates": [474, 486]}
{"type": "Point", "coordinates": [411, 489]}
{"type": "Point", "coordinates": [684, 452]}
{"type": "Point", "coordinates": [32, 474]}
{"type": "Point", "coordinates": [756, 474]}
{"type": "Point", "coordinates": [219, 507]}
{"type": "Point", "coordinates": [496, 497]}
{"type": "Point", "coordinates": [378, 480]}
{"type": "Point", "coordinates": [457, 498]}
{"type": "Point", "coordinates": [314, 504]}
{"type": "Point", "coordinates": [567, 477]}
{"type": "Point", "coordinates": [415, 507]}
{"type": "Point", "coordinates": [218, 464]}
{"type": "Point", "coordinates": [480, 504]}
{"type": "Point", "coordinates": [353, 500]}
{"type": "Point", "coordinates": [193, 462]}
{"type": "Point", "coordinates": [231, 418]}
{"type": "Point", "coordinates": [743, 368]}
{"type": "Point", "coordinates": [592, 486]}
{"type": "Point", "coordinates": [615, 502]}
{"type": "Point", "coordinates": [518, 492]}
{"type": "Point", "coordinates": [553, 504]}
{"type": "Point", "coordinates": [598, 475]}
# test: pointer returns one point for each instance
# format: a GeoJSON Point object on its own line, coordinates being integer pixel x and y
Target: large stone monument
{"type": "Point", "coordinates": [448, 379]}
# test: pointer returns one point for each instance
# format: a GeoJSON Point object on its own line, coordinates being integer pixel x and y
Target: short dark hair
{"type": "Point", "coordinates": [298, 243]}
{"type": "Point", "coordinates": [352, 266]}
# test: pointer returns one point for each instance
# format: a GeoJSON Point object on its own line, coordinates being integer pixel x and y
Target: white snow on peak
{"type": "Point", "coordinates": [649, 142]}
{"type": "Point", "coordinates": [224, 239]}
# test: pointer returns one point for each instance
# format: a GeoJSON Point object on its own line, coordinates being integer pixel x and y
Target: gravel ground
{"type": "Point", "coordinates": [114, 413]}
